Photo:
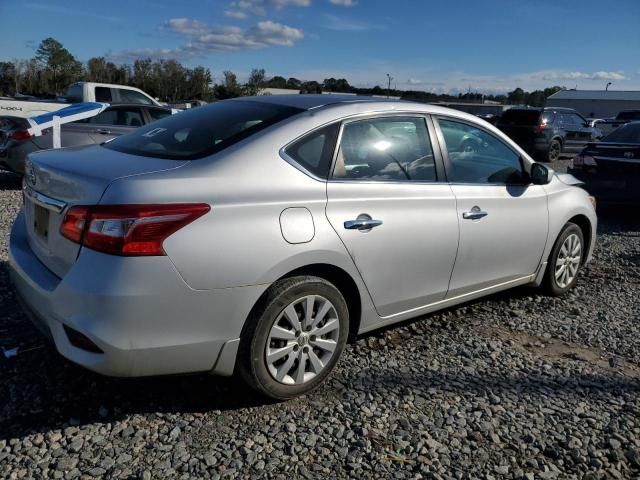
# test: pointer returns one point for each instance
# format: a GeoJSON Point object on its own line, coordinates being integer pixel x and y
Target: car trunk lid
{"type": "Point", "coordinates": [620, 158]}
{"type": "Point", "coordinates": [58, 179]}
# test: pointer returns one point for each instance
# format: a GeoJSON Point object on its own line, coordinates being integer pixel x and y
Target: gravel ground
{"type": "Point", "coordinates": [518, 386]}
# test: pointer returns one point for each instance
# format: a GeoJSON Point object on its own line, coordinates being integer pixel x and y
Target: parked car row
{"type": "Point", "coordinates": [609, 125]}
{"type": "Point", "coordinates": [16, 142]}
{"type": "Point", "coordinates": [610, 168]}
{"type": "Point", "coordinates": [546, 133]}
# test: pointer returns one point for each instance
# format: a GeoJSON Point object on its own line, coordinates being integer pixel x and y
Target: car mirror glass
{"type": "Point", "coordinates": [539, 174]}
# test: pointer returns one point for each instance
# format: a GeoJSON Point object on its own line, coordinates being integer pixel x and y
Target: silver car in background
{"type": "Point", "coordinates": [16, 142]}
{"type": "Point", "coordinates": [257, 235]}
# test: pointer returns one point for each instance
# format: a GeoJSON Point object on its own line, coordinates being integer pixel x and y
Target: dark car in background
{"type": "Point", "coordinates": [548, 132]}
{"type": "Point", "coordinates": [16, 142]}
{"type": "Point", "coordinates": [610, 124]}
{"type": "Point", "coordinates": [610, 168]}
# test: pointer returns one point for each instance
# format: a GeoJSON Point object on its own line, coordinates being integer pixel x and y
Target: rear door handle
{"type": "Point", "coordinates": [474, 214]}
{"type": "Point", "coordinates": [103, 131]}
{"type": "Point", "coordinates": [362, 224]}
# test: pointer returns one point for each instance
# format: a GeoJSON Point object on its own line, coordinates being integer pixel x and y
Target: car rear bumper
{"type": "Point", "coordinates": [138, 311]}
{"type": "Point", "coordinates": [608, 187]}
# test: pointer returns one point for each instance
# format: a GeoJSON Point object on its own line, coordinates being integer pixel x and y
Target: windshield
{"type": "Point", "coordinates": [202, 131]}
{"type": "Point", "coordinates": [521, 117]}
{"type": "Point", "coordinates": [629, 133]}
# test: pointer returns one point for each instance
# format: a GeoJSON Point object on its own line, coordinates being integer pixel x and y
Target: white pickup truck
{"type": "Point", "coordinates": [77, 92]}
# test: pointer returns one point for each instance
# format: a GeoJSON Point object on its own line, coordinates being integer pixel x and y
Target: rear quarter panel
{"type": "Point", "coordinates": [239, 242]}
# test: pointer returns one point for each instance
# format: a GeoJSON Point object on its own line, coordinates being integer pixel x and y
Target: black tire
{"type": "Point", "coordinates": [550, 283]}
{"type": "Point", "coordinates": [252, 362]}
{"type": "Point", "coordinates": [554, 150]}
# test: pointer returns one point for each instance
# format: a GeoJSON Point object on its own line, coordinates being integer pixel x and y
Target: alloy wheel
{"type": "Point", "coordinates": [568, 261]}
{"type": "Point", "coordinates": [302, 340]}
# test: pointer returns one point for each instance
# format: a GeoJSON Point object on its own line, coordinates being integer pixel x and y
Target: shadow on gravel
{"type": "Point", "coordinates": [10, 181]}
{"type": "Point", "coordinates": [40, 390]}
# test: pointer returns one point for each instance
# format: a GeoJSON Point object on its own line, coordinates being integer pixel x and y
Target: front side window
{"type": "Point", "coordinates": [385, 149]}
{"type": "Point", "coordinates": [103, 94]}
{"type": "Point", "coordinates": [478, 157]}
{"type": "Point", "coordinates": [314, 151]}
{"type": "Point", "coordinates": [131, 96]}
{"type": "Point", "coordinates": [158, 113]}
{"type": "Point", "coordinates": [202, 131]}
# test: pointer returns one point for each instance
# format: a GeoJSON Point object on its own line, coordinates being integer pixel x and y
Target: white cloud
{"type": "Point", "coordinates": [560, 75]}
{"type": "Point", "coordinates": [343, 24]}
{"type": "Point", "coordinates": [344, 3]}
{"type": "Point", "coordinates": [202, 39]}
{"type": "Point", "coordinates": [244, 8]}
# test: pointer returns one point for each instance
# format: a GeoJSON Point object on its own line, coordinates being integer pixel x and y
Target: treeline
{"type": "Point", "coordinates": [53, 68]}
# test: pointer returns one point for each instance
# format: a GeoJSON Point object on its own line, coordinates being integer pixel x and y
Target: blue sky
{"type": "Point", "coordinates": [432, 45]}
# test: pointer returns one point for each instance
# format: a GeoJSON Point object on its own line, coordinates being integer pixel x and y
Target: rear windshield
{"type": "Point", "coordinates": [202, 131]}
{"type": "Point", "coordinates": [521, 117]}
{"type": "Point", "coordinates": [629, 133]}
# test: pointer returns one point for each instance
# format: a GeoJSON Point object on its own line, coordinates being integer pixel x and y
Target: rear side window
{"type": "Point", "coordinates": [547, 118]}
{"type": "Point", "coordinates": [202, 131]}
{"type": "Point", "coordinates": [103, 94]}
{"type": "Point", "coordinates": [74, 93]}
{"type": "Point", "coordinates": [314, 151]}
{"type": "Point", "coordinates": [521, 117]}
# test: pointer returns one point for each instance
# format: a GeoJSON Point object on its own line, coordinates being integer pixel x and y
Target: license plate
{"type": "Point", "coordinates": [41, 222]}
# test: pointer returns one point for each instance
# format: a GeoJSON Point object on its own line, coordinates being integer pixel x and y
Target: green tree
{"type": "Point", "coordinates": [59, 64]}
{"type": "Point", "coordinates": [256, 81]}
{"type": "Point", "coordinates": [516, 97]}
{"type": "Point", "coordinates": [293, 83]}
{"type": "Point", "coordinates": [277, 82]}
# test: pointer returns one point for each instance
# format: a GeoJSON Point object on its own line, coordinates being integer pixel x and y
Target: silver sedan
{"type": "Point", "coordinates": [257, 235]}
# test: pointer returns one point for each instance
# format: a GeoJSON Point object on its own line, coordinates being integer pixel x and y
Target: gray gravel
{"type": "Point", "coordinates": [518, 386]}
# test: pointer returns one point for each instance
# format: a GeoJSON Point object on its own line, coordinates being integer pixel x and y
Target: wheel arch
{"type": "Point", "coordinates": [585, 226]}
{"type": "Point", "coordinates": [342, 280]}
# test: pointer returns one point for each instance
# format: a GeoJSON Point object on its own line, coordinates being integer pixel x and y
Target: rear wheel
{"type": "Point", "coordinates": [295, 338]}
{"type": "Point", "coordinates": [565, 260]}
{"type": "Point", "coordinates": [554, 150]}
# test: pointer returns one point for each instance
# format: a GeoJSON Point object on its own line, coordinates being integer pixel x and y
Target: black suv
{"type": "Point", "coordinates": [548, 132]}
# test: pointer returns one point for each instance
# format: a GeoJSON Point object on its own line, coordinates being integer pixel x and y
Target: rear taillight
{"type": "Point", "coordinates": [20, 135]}
{"type": "Point", "coordinates": [540, 128]}
{"type": "Point", "coordinates": [582, 160]}
{"type": "Point", "coordinates": [130, 230]}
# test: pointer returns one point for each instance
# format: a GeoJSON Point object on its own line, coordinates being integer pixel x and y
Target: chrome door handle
{"type": "Point", "coordinates": [103, 131]}
{"type": "Point", "coordinates": [474, 214]}
{"type": "Point", "coordinates": [362, 224]}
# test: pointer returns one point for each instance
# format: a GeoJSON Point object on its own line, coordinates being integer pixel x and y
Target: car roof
{"type": "Point", "coordinates": [311, 101]}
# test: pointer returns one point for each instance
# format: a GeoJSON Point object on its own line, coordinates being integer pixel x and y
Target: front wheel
{"type": "Point", "coordinates": [565, 260]}
{"type": "Point", "coordinates": [293, 341]}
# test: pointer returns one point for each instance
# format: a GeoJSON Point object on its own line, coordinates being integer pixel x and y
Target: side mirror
{"type": "Point", "coordinates": [540, 175]}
